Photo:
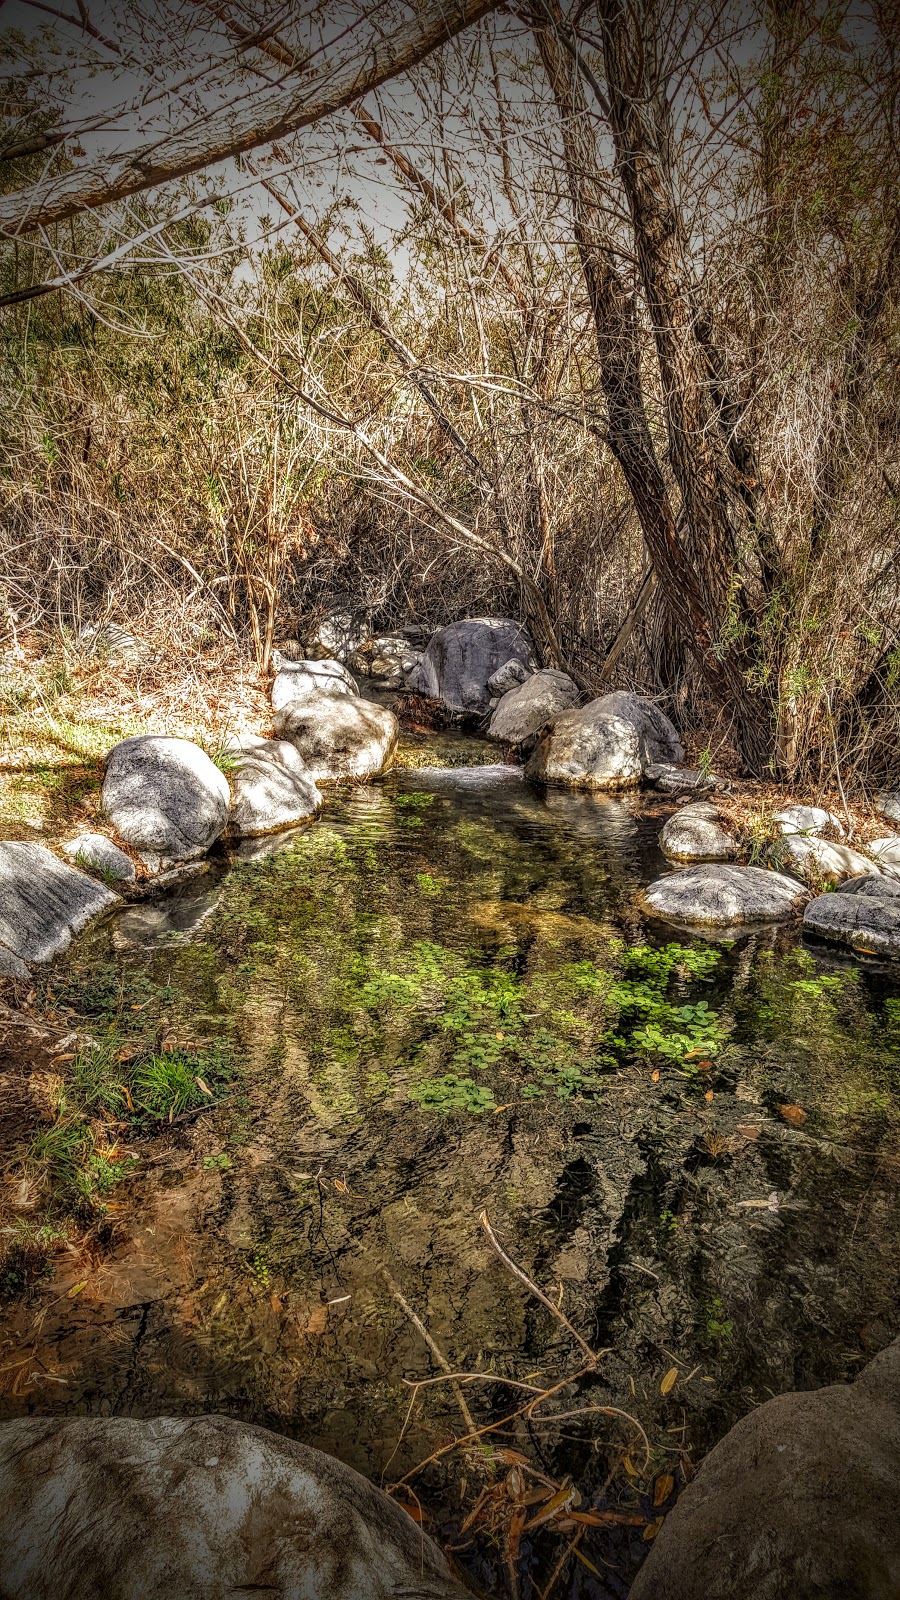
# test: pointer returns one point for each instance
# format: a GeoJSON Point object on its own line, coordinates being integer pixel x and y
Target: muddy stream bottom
{"type": "Point", "coordinates": [438, 1001]}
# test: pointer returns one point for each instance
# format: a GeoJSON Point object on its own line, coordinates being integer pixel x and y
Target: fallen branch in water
{"type": "Point", "coordinates": [593, 1357]}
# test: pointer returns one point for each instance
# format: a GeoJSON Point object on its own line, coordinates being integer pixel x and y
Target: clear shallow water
{"type": "Point", "coordinates": [424, 1007]}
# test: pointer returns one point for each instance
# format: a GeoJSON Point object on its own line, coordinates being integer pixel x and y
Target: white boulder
{"type": "Point", "coordinates": [505, 678]}
{"type": "Point", "coordinates": [806, 819]}
{"type": "Point", "coordinates": [270, 788]}
{"type": "Point", "coordinates": [298, 680]}
{"type": "Point", "coordinates": [717, 896]}
{"type": "Point", "coordinates": [198, 1506]}
{"type": "Point", "coordinates": [460, 659]}
{"type": "Point", "coordinates": [526, 708]}
{"type": "Point", "coordinates": [96, 853]}
{"type": "Point", "coordinates": [815, 858]}
{"type": "Point", "coordinates": [166, 798]}
{"type": "Point", "coordinates": [886, 852]}
{"type": "Point", "coordinates": [339, 736]}
{"type": "Point", "coordinates": [43, 904]}
{"type": "Point", "coordinates": [588, 749]}
{"type": "Point", "coordinates": [695, 833]}
{"type": "Point", "coordinates": [888, 803]}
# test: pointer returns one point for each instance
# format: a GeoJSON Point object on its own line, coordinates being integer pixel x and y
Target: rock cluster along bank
{"type": "Point", "coordinates": [170, 802]}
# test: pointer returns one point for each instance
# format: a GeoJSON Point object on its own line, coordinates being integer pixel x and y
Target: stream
{"type": "Point", "coordinates": [436, 1001]}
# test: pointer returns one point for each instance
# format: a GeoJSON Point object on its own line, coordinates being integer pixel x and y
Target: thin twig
{"type": "Point", "coordinates": [593, 1357]}
{"type": "Point", "coordinates": [435, 1349]}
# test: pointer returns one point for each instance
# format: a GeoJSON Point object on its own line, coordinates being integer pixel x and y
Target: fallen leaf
{"type": "Point", "coordinates": [704, 1066]}
{"type": "Point", "coordinates": [668, 1382]}
{"type": "Point", "coordinates": [201, 1085]}
{"type": "Point", "coordinates": [318, 1320]}
{"type": "Point", "coordinates": [276, 1302]}
{"type": "Point", "coordinates": [708, 1095]}
{"type": "Point", "coordinates": [748, 1130]}
{"type": "Point", "coordinates": [630, 1467]}
{"type": "Point", "coordinates": [652, 1529]}
{"type": "Point", "coordinates": [341, 1187]}
{"type": "Point", "coordinates": [795, 1115]}
{"type": "Point", "coordinates": [663, 1487]}
{"type": "Point", "coordinates": [654, 1076]}
{"type": "Point", "coordinates": [76, 1289]}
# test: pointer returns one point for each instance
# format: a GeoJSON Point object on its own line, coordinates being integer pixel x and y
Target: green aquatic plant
{"type": "Point", "coordinates": [452, 1093]}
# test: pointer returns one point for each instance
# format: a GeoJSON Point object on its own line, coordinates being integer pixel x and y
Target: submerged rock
{"type": "Point", "coordinates": [43, 904]}
{"type": "Point", "coordinates": [525, 709]}
{"type": "Point", "coordinates": [813, 858]}
{"type": "Point", "coordinates": [299, 680]}
{"type": "Point", "coordinates": [806, 819]}
{"type": "Point", "coordinates": [270, 788]}
{"type": "Point", "coordinates": [863, 914]}
{"type": "Point", "coordinates": [722, 895]}
{"type": "Point", "coordinates": [461, 659]}
{"type": "Point", "coordinates": [339, 736]}
{"type": "Point", "coordinates": [198, 1506]}
{"type": "Point", "coordinates": [799, 1500]}
{"type": "Point", "coordinates": [695, 833]}
{"type": "Point", "coordinates": [96, 853]}
{"type": "Point", "coordinates": [166, 798]}
{"type": "Point", "coordinates": [170, 921]}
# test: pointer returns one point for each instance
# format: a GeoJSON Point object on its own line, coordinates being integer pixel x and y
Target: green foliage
{"type": "Point", "coordinates": [452, 1093]}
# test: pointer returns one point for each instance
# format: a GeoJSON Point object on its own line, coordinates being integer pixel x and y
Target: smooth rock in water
{"type": "Point", "coordinates": [296, 681]}
{"type": "Point", "coordinates": [43, 904]}
{"type": "Point", "coordinates": [657, 737]}
{"type": "Point", "coordinates": [806, 819]}
{"type": "Point", "coordinates": [863, 914]}
{"type": "Point", "coordinates": [815, 858]}
{"type": "Point", "coordinates": [886, 852]}
{"type": "Point", "coordinates": [174, 920]}
{"type": "Point", "coordinates": [270, 788]}
{"type": "Point", "coordinates": [588, 749]}
{"type": "Point", "coordinates": [797, 1502]}
{"type": "Point", "coordinates": [96, 853]}
{"type": "Point", "coordinates": [460, 659]}
{"type": "Point", "coordinates": [888, 803]}
{"type": "Point", "coordinates": [507, 677]}
{"type": "Point", "coordinates": [526, 709]}
{"type": "Point", "coordinates": [166, 798]}
{"type": "Point", "coordinates": [695, 833]}
{"type": "Point", "coordinates": [672, 779]}
{"type": "Point", "coordinates": [96, 1508]}
{"type": "Point", "coordinates": [722, 895]}
{"type": "Point", "coordinates": [339, 736]}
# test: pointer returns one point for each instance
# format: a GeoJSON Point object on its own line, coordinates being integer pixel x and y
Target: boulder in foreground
{"type": "Point", "coordinates": [718, 896]}
{"type": "Point", "coordinates": [460, 659]}
{"type": "Point", "coordinates": [43, 904]}
{"type": "Point", "coordinates": [338, 736]}
{"type": "Point", "coordinates": [124, 1509]}
{"type": "Point", "coordinates": [166, 798]}
{"type": "Point", "coordinates": [270, 788]}
{"type": "Point", "coordinates": [815, 859]}
{"type": "Point", "coordinates": [797, 1502]}
{"type": "Point", "coordinates": [657, 737]}
{"type": "Point", "coordinates": [526, 708]}
{"type": "Point", "coordinates": [588, 749]}
{"type": "Point", "coordinates": [864, 915]}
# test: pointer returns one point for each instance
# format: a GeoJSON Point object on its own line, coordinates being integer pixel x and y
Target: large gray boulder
{"type": "Point", "coordinates": [125, 1509]}
{"type": "Point", "coordinates": [166, 797]}
{"type": "Point", "coordinates": [718, 896]}
{"type": "Point", "coordinates": [863, 915]}
{"type": "Point", "coordinates": [339, 736]}
{"type": "Point", "coordinates": [96, 853]}
{"type": "Point", "coordinates": [296, 681]}
{"type": "Point", "coordinates": [797, 1502]}
{"type": "Point", "coordinates": [460, 659]}
{"type": "Point", "coordinates": [657, 737]}
{"type": "Point", "coordinates": [43, 904]}
{"type": "Point", "coordinates": [524, 710]}
{"type": "Point", "coordinates": [505, 678]}
{"type": "Point", "coordinates": [588, 749]}
{"type": "Point", "coordinates": [270, 787]}
{"type": "Point", "coordinates": [815, 859]}
{"type": "Point", "coordinates": [695, 833]}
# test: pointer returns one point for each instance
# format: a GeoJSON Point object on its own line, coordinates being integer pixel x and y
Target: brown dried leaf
{"type": "Point", "coordinates": [652, 1528]}
{"type": "Point", "coordinates": [662, 1488]}
{"type": "Point", "coordinates": [318, 1320]}
{"type": "Point", "coordinates": [668, 1382]}
{"type": "Point", "coordinates": [795, 1115]}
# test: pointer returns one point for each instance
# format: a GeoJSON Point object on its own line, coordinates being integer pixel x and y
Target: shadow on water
{"type": "Point", "coordinates": [440, 999]}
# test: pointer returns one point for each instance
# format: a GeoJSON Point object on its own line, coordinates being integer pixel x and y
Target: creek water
{"type": "Point", "coordinates": [439, 1000]}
